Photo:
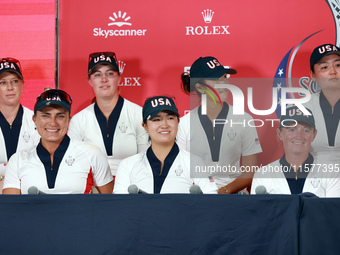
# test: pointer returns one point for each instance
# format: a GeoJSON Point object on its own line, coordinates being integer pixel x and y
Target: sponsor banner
{"type": "Point", "coordinates": [155, 42]}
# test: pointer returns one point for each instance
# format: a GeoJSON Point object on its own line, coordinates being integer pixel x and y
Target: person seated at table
{"type": "Point", "coordinates": [164, 167]}
{"type": "Point", "coordinates": [297, 171]}
{"type": "Point", "coordinates": [57, 165]}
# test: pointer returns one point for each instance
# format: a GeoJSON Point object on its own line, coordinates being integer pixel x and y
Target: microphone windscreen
{"type": "Point", "coordinates": [33, 190]}
{"type": "Point", "coordinates": [260, 190]}
{"type": "Point", "coordinates": [195, 189]}
{"type": "Point", "coordinates": [133, 189]}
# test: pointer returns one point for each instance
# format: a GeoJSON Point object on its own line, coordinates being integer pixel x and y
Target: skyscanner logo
{"type": "Point", "coordinates": [118, 19]}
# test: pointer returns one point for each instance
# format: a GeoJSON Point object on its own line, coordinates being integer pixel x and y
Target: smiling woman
{"type": "Point", "coordinates": [297, 171]}
{"type": "Point", "coordinates": [163, 168]}
{"type": "Point", "coordinates": [57, 165]}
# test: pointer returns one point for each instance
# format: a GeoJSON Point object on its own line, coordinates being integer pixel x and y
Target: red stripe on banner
{"type": "Point", "coordinates": [89, 183]}
{"type": "Point", "coordinates": [26, 22]}
{"type": "Point", "coordinates": [27, 1]}
{"type": "Point", "coordinates": [28, 45]}
{"type": "Point", "coordinates": [27, 8]}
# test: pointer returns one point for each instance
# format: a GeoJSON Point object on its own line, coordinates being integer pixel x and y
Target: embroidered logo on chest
{"type": "Point", "coordinates": [179, 171]}
{"type": "Point", "coordinates": [26, 137]}
{"type": "Point", "coordinates": [123, 127]}
{"type": "Point", "coordinates": [231, 134]}
{"type": "Point", "coordinates": [315, 182]}
{"type": "Point", "coordinates": [69, 161]}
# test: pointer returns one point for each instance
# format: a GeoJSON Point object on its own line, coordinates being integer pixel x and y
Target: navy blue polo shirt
{"type": "Point", "coordinates": [296, 181]}
{"type": "Point", "coordinates": [44, 155]}
{"type": "Point", "coordinates": [158, 179]}
{"type": "Point", "coordinates": [108, 127]}
{"type": "Point", "coordinates": [11, 132]}
{"type": "Point", "coordinates": [214, 136]}
{"type": "Point", "coordinates": [331, 118]}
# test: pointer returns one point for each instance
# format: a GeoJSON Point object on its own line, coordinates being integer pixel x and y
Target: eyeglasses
{"type": "Point", "coordinates": [11, 60]}
{"type": "Point", "coordinates": [54, 93]}
{"type": "Point", "coordinates": [106, 53]}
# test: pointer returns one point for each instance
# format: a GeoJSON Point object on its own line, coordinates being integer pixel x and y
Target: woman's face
{"type": "Point", "coordinates": [222, 92]}
{"type": "Point", "coordinates": [297, 139]}
{"type": "Point", "coordinates": [327, 72]}
{"type": "Point", "coordinates": [52, 124]}
{"type": "Point", "coordinates": [11, 88]}
{"type": "Point", "coordinates": [162, 128]}
{"type": "Point", "coordinates": [104, 82]}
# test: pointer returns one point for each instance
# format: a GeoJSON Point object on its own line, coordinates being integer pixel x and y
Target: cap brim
{"type": "Point", "coordinates": [287, 123]}
{"type": "Point", "coordinates": [219, 73]}
{"type": "Point", "coordinates": [104, 63]}
{"type": "Point", "coordinates": [13, 71]}
{"type": "Point", "coordinates": [45, 104]}
{"type": "Point", "coordinates": [330, 53]}
{"type": "Point", "coordinates": [154, 113]}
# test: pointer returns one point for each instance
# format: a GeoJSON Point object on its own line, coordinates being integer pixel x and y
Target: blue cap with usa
{"type": "Point", "coordinates": [53, 97]}
{"type": "Point", "coordinates": [97, 58]}
{"type": "Point", "coordinates": [209, 67]}
{"type": "Point", "coordinates": [10, 65]}
{"type": "Point", "coordinates": [321, 51]}
{"type": "Point", "coordinates": [295, 115]}
{"type": "Point", "coordinates": [157, 104]}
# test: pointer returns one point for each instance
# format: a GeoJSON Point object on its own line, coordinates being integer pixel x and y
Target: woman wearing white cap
{"type": "Point", "coordinates": [222, 146]}
{"type": "Point", "coordinates": [325, 104]}
{"type": "Point", "coordinates": [17, 130]}
{"type": "Point", "coordinates": [57, 165]}
{"type": "Point", "coordinates": [164, 167]}
{"type": "Point", "coordinates": [297, 171]}
{"type": "Point", "coordinates": [112, 123]}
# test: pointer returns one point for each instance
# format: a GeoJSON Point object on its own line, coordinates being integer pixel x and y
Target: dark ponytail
{"type": "Point", "coordinates": [185, 85]}
{"type": "Point", "coordinates": [188, 84]}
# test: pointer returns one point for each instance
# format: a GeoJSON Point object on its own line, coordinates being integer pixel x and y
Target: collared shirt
{"type": "Point", "coordinates": [296, 180]}
{"type": "Point", "coordinates": [108, 127]}
{"type": "Point", "coordinates": [156, 165]}
{"type": "Point", "coordinates": [11, 132]}
{"type": "Point", "coordinates": [44, 155]}
{"type": "Point", "coordinates": [331, 117]}
{"type": "Point", "coordinates": [214, 135]}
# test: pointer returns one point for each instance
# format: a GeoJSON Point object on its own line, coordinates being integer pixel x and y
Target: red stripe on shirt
{"type": "Point", "coordinates": [89, 182]}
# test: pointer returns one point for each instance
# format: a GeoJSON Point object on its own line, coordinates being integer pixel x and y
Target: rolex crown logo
{"type": "Point", "coordinates": [121, 66]}
{"type": "Point", "coordinates": [207, 15]}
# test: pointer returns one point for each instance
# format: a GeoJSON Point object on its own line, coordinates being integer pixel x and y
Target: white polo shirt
{"type": "Point", "coordinates": [320, 181]}
{"type": "Point", "coordinates": [80, 167]}
{"type": "Point", "coordinates": [126, 136]}
{"type": "Point", "coordinates": [28, 137]}
{"type": "Point", "coordinates": [237, 139]}
{"type": "Point", "coordinates": [138, 170]}
{"type": "Point", "coordinates": [320, 146]}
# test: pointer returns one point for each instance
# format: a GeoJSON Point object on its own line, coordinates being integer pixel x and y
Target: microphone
{"type": "Point", "coordinates": [195, 189]}
{"type": "Point", "coordinates": [33, 190]}
{"type": "Point", "coordinates": [133, 189]}
{"type": "Point", "coordinates": [261, 190]}
{"type": "Point", "coordinates": [242, 192]}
